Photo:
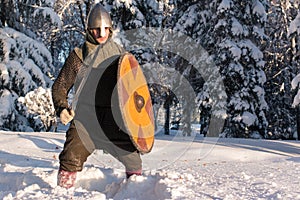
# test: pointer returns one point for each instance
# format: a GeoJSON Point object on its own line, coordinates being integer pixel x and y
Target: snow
{"type": "Point", "coordinates": [248, 118]}
{"type": "Point", "coordinates": [259, 32]}
{"type": "Point", "coordinates": [224, 5]}
{"type": "Point", "coordinates": [177, 168]}
{"type": "Point", "coordinates": [34, 71]}
{"type": "Point", "coordinates": [233, 49]}
{"type": "Point", "coordinates": [255, 52]}
{"type": "Point", "coordinates": [295, 25]}
{"type": "Point", "coordinates": [5, 102]}
{"type": "Point", "coordinates": [4, 75]}
{"type": "Point", "coordinates": [259, 9]}
{"type": "Point", "coordinates": [236, 49]}
{"type": "Point", "coordinates": [188, 19]}
{"type": "Point", "coordinates": [126, 2]}
{"type": "Point", "coordinates": [44, 116]}
{"type": "Point", "coordinates": [48, 12]}
{"type": "Point", "coordinates": [237, 28]}
{"type": "Point", "coordinates": [6, 44]}
{"type": "Point", "coordinates": [294, 84]}
{"type": "Point", "coordinates": [24, 82]}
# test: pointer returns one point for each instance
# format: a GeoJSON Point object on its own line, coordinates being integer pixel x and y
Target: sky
{"type": "Point", "coordinates": [177, 168]}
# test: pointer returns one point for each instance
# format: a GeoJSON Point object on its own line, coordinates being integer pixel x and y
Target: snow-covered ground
{"type": "Point", "coordinates": [177, 168]}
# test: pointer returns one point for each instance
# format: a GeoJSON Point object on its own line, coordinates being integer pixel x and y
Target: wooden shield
{"type": "Point", "coordinates": [135, 103]}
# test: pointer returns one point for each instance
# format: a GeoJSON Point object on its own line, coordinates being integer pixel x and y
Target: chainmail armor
{"type": "Point", "coordinates": [65, 82]}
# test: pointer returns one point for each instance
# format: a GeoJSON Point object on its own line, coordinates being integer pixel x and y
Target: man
{"type": "Point", "coordinates": [75, 152]}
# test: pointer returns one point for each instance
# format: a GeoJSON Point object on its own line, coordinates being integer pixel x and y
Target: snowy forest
{"type": "Point", "coordinates": [231, 66]}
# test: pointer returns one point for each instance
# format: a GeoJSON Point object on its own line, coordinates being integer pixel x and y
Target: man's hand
{"type": "Point", "coordinates": [66, 116]}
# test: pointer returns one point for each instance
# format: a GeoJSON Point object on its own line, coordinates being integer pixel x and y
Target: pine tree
{"type": "Point", "coordinates": [196, 21]}
{"type": "Point", "coordinates": [294, 35]}
{"type": "Point", "coordinates": [239, 33]}
{"type": "Point", "coordinates": [25, 65]}
{"type": "Point", "coordinates": [280, 69]}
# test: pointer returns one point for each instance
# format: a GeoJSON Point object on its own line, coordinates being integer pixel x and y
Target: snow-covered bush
{"type": "Point", "coordinates": [38, 108]}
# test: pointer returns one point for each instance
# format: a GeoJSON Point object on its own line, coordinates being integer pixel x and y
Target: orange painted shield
{"type": "Point", "coordinates": [135, 103]}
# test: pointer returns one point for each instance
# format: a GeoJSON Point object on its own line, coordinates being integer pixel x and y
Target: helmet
{"type": "Point", "coordinates": [98, 17]}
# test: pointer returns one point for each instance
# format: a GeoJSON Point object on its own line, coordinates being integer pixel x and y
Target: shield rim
{"type": "Point", "coordinates": [120, 104]}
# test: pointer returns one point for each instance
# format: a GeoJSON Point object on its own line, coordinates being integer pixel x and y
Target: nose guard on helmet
{"type": "Point", "coordinates": [98, 17]}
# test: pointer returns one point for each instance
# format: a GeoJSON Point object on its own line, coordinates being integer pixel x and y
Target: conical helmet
{"type": "Point", "coordinates": [98, 17]}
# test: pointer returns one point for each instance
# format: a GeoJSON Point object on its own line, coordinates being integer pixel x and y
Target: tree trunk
{"type": "Point", "coordinates": [205, 116]}
{"type": "Point", "coordinates": [155, 113]}
{"type": "Point", "coordinates": [215, 127]}
{"type": "Point", "coordinates": [167, 118]}
{"type": "Point", "coordinates": [187, 110]}
{"type": "Point", "coordinates": [2, 14]}
{"type": "Point", "coordinates": [298, 122]}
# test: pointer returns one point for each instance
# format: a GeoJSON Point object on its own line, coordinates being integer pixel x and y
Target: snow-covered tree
{"type": "Point", "coordinates": [196, 21]}
{"type": "Point", "coordinates": [239, 33]}
{"type": "Point", "coordinates": [231, 32]}
{"type": "Point", "coordinates": [34, 18]}
{"type": "Point", "coordinates": [60, 25]}
{"type": "Point", "coordinates": [294, 35]}
{"type": "Point", "coordinates": [280, 68]}
{"type": "Point", "coordinates": [25, 65]}
{"type": "Point", "coordinates": [70, 34]}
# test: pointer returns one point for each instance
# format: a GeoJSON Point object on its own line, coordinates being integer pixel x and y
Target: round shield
{"type": "Point", "coordinates": [135, 103]}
